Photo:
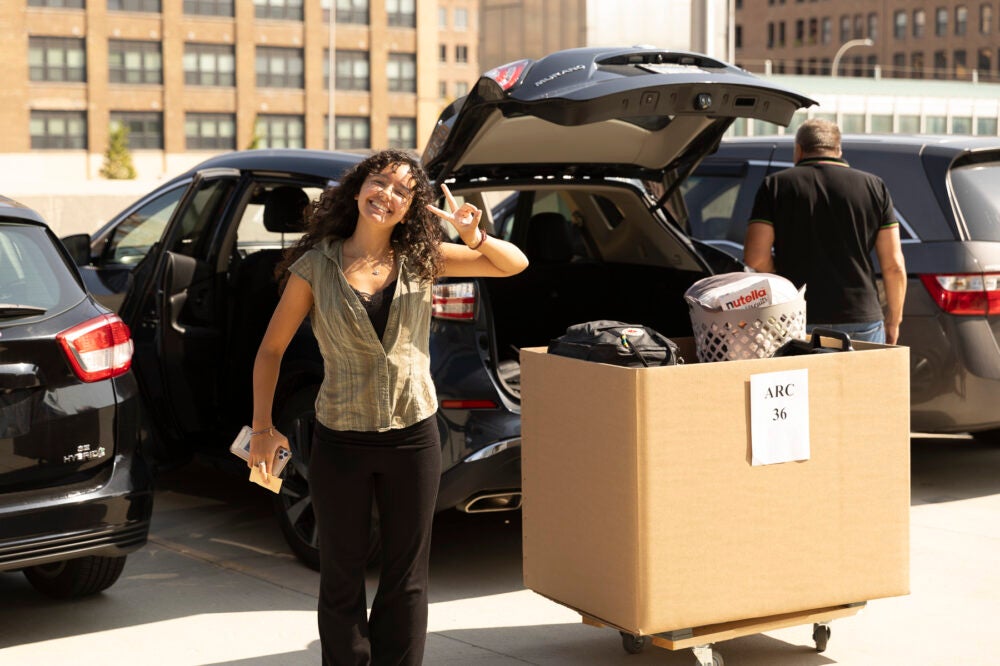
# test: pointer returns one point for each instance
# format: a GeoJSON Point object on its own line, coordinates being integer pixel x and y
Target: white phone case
{"type": "Point", "coordinates": [241, 448]}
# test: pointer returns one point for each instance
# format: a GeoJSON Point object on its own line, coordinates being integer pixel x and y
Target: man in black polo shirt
{"type": "Point", "coordinates": [823, 219]}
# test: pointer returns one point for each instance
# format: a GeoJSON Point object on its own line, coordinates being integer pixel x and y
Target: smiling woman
{"type": "Point", "coordinates": [364, 271]}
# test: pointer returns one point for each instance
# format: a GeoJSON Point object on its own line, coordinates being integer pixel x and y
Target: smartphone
{"type": "Point", "coordinates": [241, 448]}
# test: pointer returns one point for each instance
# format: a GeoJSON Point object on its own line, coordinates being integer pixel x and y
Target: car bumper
{"type": "Point", "coordinates": [107, 514]}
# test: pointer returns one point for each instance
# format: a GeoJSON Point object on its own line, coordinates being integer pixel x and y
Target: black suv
{"type": "Point", "coordinates": [75, 498]}
{"type": "Point", "coordinates": [189, 267]}
{"type": "Point", "coordinates": [947, 196]}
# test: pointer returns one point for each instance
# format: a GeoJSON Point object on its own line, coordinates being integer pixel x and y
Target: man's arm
{"type": "Point", "coordinates": [890, 258]}
{"type": "Point", "coordinates": [757, 246]}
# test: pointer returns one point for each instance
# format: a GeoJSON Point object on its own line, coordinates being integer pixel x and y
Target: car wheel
{"type": "Point", "coordinates": [79, 577]}
{"type": "Point", "coordinates": [293, 505]}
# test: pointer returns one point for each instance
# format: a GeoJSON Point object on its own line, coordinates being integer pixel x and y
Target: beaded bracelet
{"type": "Point", "coordinates": [482, 239]}
{"type": "Point", "coordinates": [262, 431]}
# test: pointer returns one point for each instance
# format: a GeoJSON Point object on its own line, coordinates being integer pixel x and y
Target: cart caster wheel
{"type": "Point", "coordinates": [821, 634]}
{"type": "Point", "coordinates": [633, 644]}
{"type": "Point", "coordinates": [706, 656]}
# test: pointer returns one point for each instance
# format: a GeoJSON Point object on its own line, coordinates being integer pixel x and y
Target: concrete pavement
{"type": "Point", "coordinates": [216, 585]}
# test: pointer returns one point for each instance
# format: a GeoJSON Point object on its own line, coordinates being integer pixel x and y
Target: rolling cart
{"type": "Point", "coordinates": [701, 639]}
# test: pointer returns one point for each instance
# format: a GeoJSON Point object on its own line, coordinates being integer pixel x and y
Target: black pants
{"type": "Point", "coordinates": [401, 470]}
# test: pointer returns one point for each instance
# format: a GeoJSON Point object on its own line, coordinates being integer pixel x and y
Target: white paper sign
{"type": "Point", "coordinates": [779, 416]}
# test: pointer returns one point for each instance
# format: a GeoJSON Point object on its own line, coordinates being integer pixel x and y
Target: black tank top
{"type": "Point", "coordinates": [377, 306]}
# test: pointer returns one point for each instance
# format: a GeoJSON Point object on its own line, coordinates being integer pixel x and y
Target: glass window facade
{"type": "Point", "coordinates": [57, 59]}
{"type": "Point", "coordinates": [58, 130]}
{"type": "Point", "coordinates": [134, 62]}
{"type": "Point", "coordinates": [145, 128]}
{"type": "Point", "coordinates": [210, 131]}
{"type": "Point", "coordinates": [209, 64]}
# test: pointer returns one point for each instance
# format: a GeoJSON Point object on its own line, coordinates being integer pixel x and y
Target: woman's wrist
{"type": "Point", "coordinates": [479, 243]}
{"type": "Point", "coordinates": [262, 431]}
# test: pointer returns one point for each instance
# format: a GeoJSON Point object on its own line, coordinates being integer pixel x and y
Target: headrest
{"type": "Point", "coordinates": [284, 210]}
{"type": "Point", "coordinates": [550, 238]}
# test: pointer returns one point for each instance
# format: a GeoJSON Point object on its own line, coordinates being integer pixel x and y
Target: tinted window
{"type": "Point", "coordinates": [977, 192]}
{"type": "Point", "coordinates": [32, 271]}
{"type": "Point", "coordinates": [143, 227]}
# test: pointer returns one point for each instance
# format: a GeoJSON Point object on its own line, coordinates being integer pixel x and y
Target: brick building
{"type": "Point", "coordinates": [192, 77]}
{"type": "Point", "coordinates": [945, 39]}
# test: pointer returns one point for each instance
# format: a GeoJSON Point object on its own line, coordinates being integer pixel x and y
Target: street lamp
{"type": "Point", "coordinates": [843, 49]}
{"type": "Point", "coordinates": [331, 62]}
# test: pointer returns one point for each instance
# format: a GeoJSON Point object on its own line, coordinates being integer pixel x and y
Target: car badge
{"type": "Point", "coordinates": [84, 452]}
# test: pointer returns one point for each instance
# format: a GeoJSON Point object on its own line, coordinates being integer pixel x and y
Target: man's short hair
{"type": "Point", "coordinates": [818, 136]}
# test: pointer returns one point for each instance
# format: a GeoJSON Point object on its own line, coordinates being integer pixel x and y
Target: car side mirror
{"type": "Point", "coordinates": [78, 246]}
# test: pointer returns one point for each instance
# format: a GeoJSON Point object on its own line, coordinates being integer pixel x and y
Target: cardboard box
{"type": "Point", "coordinates": [642, 509]}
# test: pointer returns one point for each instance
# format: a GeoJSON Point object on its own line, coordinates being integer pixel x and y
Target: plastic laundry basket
{"type": "Point", "coordinates": [731, 335]}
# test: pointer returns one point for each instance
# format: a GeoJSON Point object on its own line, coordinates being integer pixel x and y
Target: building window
{"type": "Point", "coordinates": [279, 67]}
{"type": "Point", "coordinates": [134, 62]}
{"type": "Point", "coordinates": [462, 54]}
{"type": "Point", "coordinates": [64, 4]}
{"type": "Point", "coordinates": [461, 88]}
{"type": "Point", "coordinates": [984, 62]}
{"type": "Point", "coordinates": [770, 35]}
{"type": "Point", "coordinates": [738, 37]}
{"type": "Point", "coordinates": [442, 53]}
{"type": "Point", "coordinates": [940, 64]}
{"type": "Point", "coordinates": [899, 65]}
{"type": "Point", "coordinates": [873, 26]}
{"type": "Point", "coordinates": [56, 59]}
{"type": "Point", "coordinates": [899, 25]}
{"type": "Point", "coordinates": [280, 131]}
{"type": "Point", "coordinates": [961, 20]}
{"type": "Point", "coordinates": [959, 63]}
{"type": "Point", "coordinates": [210, 131]}
{"type": "Point", "coordinates": [208, 7]}
{"type": "Point", "coordinates": [813, 30]}
{"type": "Point", "coordinates": [288, 10]}
{"type": "Point", "coordinates": [348, 11]}
{"type": "Point", "coordinates": [134, 6]}
{"type": "Point", "coordinates": [352, 71]}
{"type": "Point", "coordinates": [209, 65]}
{"type": "Point", "coordinates": [401, 13]}
{"type": "Point", "coordinates": [941, 21]}
{"type": "Point", "coordinates": [987, 126]}
{"type": "Point", "coordinates": [55, 130]}
{"type": "Point", "coordinates": [442, 18]}
{"type": "Point", "coordinates": [917, 65]}
{"type": "Point", "coordinates": [845, 28]}
{"type": "Point", "coordinates": [985, 19]}
{"type": "Point", "coordinates": [401, 70]}
{"type": "Point", "coordinates": [461, 18]}
{"type": "Point", "coordinates": [402, 133]}
{"type": "Point", "coordinates": [145, 128]}
{"type": "Point", "coordinates": [352, 132]}
{"type": "Point", "coordinates": [800, 30]}
{"type": "Point", "coordinates": [827, 30]}
{"type": "Point", "coordinates": [781, 34]}
{"type": "Point", "coordinates": [859, 26]}
{"type": "Point", "coordinates": [443, 89]}
{"type": "Point", "coordinates": [919, 20]}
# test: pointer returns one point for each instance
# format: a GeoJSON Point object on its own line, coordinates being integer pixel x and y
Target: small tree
{"type": "Point", "coordinates": [256, 137]}
{"type": "Point", "coordinates": [118, 158]}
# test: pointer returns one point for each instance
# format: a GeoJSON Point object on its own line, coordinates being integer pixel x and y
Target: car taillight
{"type": "Point", "coordinates": [507, 75]}
{"type": "Point", "coordinates": [965, 294]}
{"type": "Point", "coordinates": [454, 300]}
{"type": "Point", "coordinates": [99, 348]}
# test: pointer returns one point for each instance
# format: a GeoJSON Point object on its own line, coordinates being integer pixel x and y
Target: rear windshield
{"type": "Point", "coordinates": [977, 192]}
{"type": "Point", "coordinates": [33, 273]}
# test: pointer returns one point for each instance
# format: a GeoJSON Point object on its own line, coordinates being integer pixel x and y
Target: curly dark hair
{"type": "Point", "coordinates": [335, 215]}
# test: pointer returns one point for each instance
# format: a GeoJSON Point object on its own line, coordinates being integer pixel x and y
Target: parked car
{"type": "Point", "coordinates": [189, 266]}
{"type": "Point", "coordinates": [946, 191]}
{"type": "Point", "coordinates": [75, 498]}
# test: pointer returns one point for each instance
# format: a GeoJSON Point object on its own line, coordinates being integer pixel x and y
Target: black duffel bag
{"type": "Point", "coordinates": [617, 343]}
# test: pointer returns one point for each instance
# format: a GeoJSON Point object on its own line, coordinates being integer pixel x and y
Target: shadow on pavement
{"type": "Point", "coordinates": [945, 469]}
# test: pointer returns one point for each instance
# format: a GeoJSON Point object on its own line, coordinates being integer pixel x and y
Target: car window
{"type": "Point", "coordinates": [32, 272]}
{"type": "Point", "coordinates": [253, 235]}
{"type": "Point", "coordinates": [201, 215]}
{"type": "Point", "coordinates": [137, 233]}
{"type": "Point", "coordinates": [719, 205]}
{"type": "Point", "coordinates": [977, 192]}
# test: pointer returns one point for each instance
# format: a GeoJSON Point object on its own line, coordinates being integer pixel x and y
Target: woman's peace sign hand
{"type": "Point", "coordinates": [464, 218]}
